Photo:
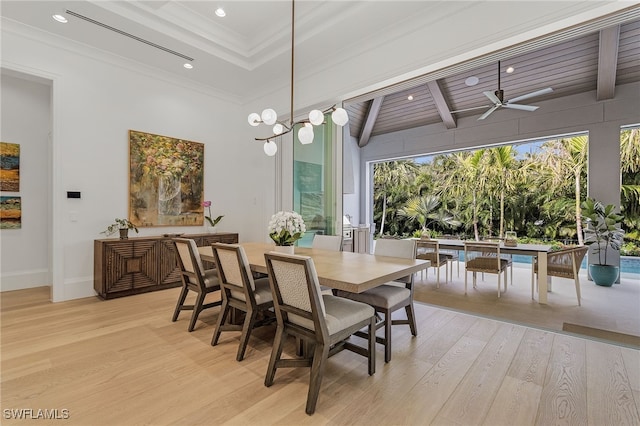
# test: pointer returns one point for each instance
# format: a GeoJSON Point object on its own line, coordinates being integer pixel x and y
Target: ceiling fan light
{"type": "Point", "coordinates": [340, 117]}
{"type": "Point", "coordinates": [270, 148]}
{"type": "Point", "coordinates": [269, 117]}
{"type": "Point", "coordinates": [316, 117]}
{"type": "Point", "coordinates": [305, 135]}
{"type": "Point", "coordinates": [254, 119]}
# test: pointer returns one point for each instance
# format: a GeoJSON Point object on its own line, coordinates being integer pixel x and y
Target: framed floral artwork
{"type": "Point", "coordinates": [166, 176]}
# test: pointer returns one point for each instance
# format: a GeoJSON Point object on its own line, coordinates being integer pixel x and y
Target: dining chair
{"type": "Point", "coordinates": [564, 263]}
{"type": "Point", "coordinates": [194, 278]}
{"type": "Point", "coordinates": [390, 297]}
{"type": "Point", "coordinates": [507, 257]}
{"type": "Point", "coordinates": [322, 321]}
{"type": "Point", "coordinates": [455, 256]}
{"type": "Point", "coordinates": [327, 242]}
{"type": "Point", "coordinates": [484, 257]}
{"type": "Point", "coordinates": [240, 291]}
{"type": "Point", "coordinates": [427, 249]}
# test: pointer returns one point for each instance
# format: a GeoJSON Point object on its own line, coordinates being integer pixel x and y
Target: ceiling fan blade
{"type": "Point", "coordinates": [492, 97]}
{"type": "Point", "coordinates": [489, 111]}
{"type": "Point", "coordinates": [521, 107]}
{"type": "Point", "coordinates": [532, 94]}
{"type": "Point", "coordinates": [470, 109]}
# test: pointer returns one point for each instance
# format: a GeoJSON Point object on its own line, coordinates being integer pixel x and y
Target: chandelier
{"type": "Point", "coordinates": [316, 117]}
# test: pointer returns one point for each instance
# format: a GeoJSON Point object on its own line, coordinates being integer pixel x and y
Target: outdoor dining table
{"type": "Point", "coordinates": [536, 250]}
{"type": "Point", "coordinates": [352, 272]}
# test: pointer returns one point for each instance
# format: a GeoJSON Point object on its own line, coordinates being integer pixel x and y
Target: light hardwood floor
{"type": "Point", "coordinates": [123, 362]}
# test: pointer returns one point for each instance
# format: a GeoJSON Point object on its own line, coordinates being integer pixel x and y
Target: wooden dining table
{"type": "Point", "coordinates": [536, 250]}
{"type": "Point", "coordinates": [352, 272]}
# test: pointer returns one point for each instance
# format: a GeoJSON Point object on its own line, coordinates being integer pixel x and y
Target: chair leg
{"type": "Point", "coordinates": [320, 355]}
{"type": "Point", "coordinates": [249, 322]}
{"type": "Point", "coordinates": [372, 346]}
{"type": "Point", "coordinates": [577, 280]}
{"type": "Point", "coordinates": [499, 274]}
{"type": "Point", "coordinates": [465, 281]}
{"type": "Point", "coordinates": [387, 336]}
{"type": "Point", "coordinates": [181, 299]}
{"type": "Point", "coordinates": [412, 319]}
{"type": "Point", "coordinates": [276, 353]}
{"type": "Point", "coordinates": [197, 307]}
{"type": "Point", "coordinates": [224, 313]}
{"type": "Point", "coordinates": [437, 276]}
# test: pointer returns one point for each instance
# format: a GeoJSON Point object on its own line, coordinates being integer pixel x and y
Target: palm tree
{"type": "Point", "coordinates": [421, 209]}
{"type": "Point", "coordinates": [389, 175]}
{"type": "Point", "coordinates": [502, 166]}
{"type": "Point", "coordinates": [568, 158]}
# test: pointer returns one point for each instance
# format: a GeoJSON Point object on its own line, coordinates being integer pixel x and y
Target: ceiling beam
{"type": "Point", "coordinates": [607, 62]}
{"type": "Point", "coordinates": [441, 104]}
{"type": "Point", "coordinates": [370, 121]}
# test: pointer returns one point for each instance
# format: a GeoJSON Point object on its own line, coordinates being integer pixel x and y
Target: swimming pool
{"type": "Point", "coordinates": [628, 264]}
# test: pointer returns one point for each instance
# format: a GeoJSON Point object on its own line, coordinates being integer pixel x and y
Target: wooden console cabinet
{"type": "Point", "coordinates": [141, 264]}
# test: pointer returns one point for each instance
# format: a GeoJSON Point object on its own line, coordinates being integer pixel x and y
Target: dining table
{"type": "Point", "coordinates": [341, 270]}
{"type": "Point", "coordinates": [535, 250]}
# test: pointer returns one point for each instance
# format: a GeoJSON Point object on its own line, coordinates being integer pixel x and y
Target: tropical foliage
{"type": "Point", "coordinates": [489, 191]}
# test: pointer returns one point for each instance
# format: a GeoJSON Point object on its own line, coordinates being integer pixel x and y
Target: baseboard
{"type": "Point", "coordinates": [612, 336]}
{"type": "Point", "coordinates": [24, 279]}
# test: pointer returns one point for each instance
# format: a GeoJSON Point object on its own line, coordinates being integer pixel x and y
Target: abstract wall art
{"type": "Point", "coordinates": [166, 176]}
{"type": "Point", "coordinates": [9, 167]}
{"type": "Point", "coordinates": [10, 212]}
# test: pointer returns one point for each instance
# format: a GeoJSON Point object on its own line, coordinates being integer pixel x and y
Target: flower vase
{"type": "Point", "coordinates": [285, 249]}
{"type": "Point", "coordinates": [208, 229]}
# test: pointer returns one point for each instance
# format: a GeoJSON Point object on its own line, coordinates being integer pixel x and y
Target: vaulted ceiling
{"type": "Point", "coordinates": [594, 61]}
{"type": "Point", "coordinates": [246, 54]}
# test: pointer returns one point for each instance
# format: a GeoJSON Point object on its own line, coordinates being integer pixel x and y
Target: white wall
{"type": "Point", "coordinates": [96, 100]}
{"type": "Point", "coordinates": [26, 120]}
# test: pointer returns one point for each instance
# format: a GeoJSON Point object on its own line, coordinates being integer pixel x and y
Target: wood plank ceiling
{"type": "Point", "coordinates": [595, 61]}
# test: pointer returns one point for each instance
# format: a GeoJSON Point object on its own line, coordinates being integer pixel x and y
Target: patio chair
{"type": "Point", "coordinates": [563, 263]}
{"type": "Point", "coordinates": [428, 249]}
{"type": "Point", "coordinates": [484, 257]}
{"type": "Point", "coordinates": [327, 242]}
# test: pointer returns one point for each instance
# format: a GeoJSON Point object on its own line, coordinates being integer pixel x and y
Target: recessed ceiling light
{"type": "Point", "coordinates": [188, 66]}
{"type": "Point", "coordinates": [220, 12]}
{"type": "Point", "coordinates": [510, 70]}
{"type": "Point", "coordinates": [410, 97]}
{"type": "Point", "coordinates": [59, 18]}
{"type": "Point", "coordinates": [472, 81]}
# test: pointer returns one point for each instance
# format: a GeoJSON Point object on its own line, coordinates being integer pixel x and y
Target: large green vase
{"type": "Point", "coordinates": [604, 275]}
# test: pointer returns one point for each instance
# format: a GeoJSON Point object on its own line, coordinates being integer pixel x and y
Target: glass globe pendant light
{"type": "Point", "coordinates": [316, 117]}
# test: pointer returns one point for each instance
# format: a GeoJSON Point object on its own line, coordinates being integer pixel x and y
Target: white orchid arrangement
{"type": "Point", "coordinates": [285, 228]}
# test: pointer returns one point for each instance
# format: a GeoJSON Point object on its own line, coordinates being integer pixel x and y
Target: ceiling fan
{"type": "Point", "coordinates": [497, 100]}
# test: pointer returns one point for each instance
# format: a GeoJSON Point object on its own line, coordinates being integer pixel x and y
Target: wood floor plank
{"type": "Point", "coordinates": [609, 395]}
{"type": "Point", "coordinates": [474, 395]}
{"type": "Point", "coordinates": [564, 395]}
{"type": "Point", "coordinates": [632, 367]}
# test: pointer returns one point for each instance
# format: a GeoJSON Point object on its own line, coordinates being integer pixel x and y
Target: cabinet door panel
{"type": "Point", "coordinates": [144, 264]}
{"type": "Point", "coordinates": [115, 266]}
{"type": "Point", "coordinates": [169, 270]}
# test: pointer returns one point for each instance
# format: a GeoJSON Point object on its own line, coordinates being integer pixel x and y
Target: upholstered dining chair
{"type": "Point", "coordinates": [194, 278]}
{"type": "Point", "coordinates": [322, 321]}
{"type": "Point", "coordinates": [563, 263]}
{"type": "Point", "coordinates": [391, 296]}
{"type": "Point", "coordinates": [428, 249]}
{"type": "Point", "coordinates": [327, 242]}
{"type": "Point", "coordinates": [240, 291]}
{"type": "Point", "coordinates": [484, 257]}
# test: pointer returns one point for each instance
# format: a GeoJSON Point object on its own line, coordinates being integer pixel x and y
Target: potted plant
{"type": "Point", "coordinates": [602, 228]}
{"type": "Point", "coordinates": [121, 225]}
{"type": "Point", "coordinates": [285, 228]}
